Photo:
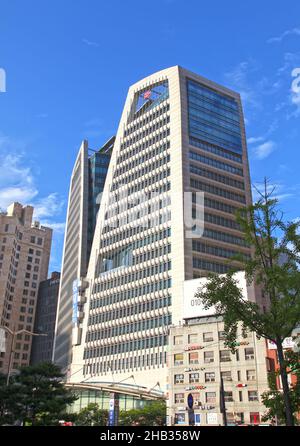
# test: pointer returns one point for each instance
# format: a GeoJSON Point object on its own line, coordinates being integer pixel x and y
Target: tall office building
{"type": "Point", "coordinates": [24, 258]}
{"type": "Point", "coordinates": [87, 181]}
{"type": "Point", "coordinates": [179, 133]}
{"type": "Point", "coordinates": [45, 317]}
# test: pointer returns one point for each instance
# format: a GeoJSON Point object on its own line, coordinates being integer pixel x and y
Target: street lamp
{"type": "Point", "coordinates": [14, 334]}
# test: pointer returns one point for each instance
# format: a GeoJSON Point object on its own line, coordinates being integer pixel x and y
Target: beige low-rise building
{"type": "Point", "coordinates": [198, 358]}
{"type": "Point", "coordinates": [24, 258]}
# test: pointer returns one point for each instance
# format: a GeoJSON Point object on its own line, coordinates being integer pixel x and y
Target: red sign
{"type": "Point", "coordinates": [147, 94]}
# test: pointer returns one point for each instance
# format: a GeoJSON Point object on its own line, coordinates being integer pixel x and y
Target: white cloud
{"type": "Point", "coordinates": [49, 206]}
{"type": "Point", "coordinates": [90, 42]}
{"type": "Point", "coordinates": [288, 32]}
{"type": "Point", "coordinates": [238, 80]}
{"type": "Point", "coordinates": [279, 191]}
{"type": "Point", "coordinates": [264, 150]}
{"type": "Point", "coordinates": [18, 183]}
{"type": "Point", "coordinates": [13, 171]}
{"type": "Point", "coordinates": [58, 228]}
{"type": "Point", "coordinates": [246, 79]}
{"type": "Point", "coordinates": [254, 140]}
{"type": "Point", "coordinates": [8, 195]}
{"type": "Point", "coordinates": [16, 179]}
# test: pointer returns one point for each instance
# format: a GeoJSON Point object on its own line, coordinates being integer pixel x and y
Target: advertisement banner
{"type": "Point", "coordinates": [193, 306]}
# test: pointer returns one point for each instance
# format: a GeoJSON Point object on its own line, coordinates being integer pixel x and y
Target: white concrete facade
{"type": "Point", "coordinates": [130, 306]}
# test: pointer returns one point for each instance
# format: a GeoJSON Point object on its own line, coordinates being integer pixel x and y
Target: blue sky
{"type": "Point", "coordinates": [69, 63]}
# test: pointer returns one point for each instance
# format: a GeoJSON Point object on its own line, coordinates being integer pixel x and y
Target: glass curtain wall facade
{"type": "Point", "coordinates": [87, 182]}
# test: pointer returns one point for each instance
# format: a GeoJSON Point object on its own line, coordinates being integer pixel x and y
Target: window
{"type": "Point", "coordinates": [235, 418]}
{"type": "Point", "coordinates": [210, 377]}
{"type": "Point", "coordinates": [210, 397]}
{"type": "Point", "coordinates": [178, 359]}
{"type": "Point", "coordinates": [208, 357]}
{"type": "Point", "coordinates": [194, 358]}
{"type": "Point", "coordinates": [32, 239]}
{"type": "Point", "coordinates": [208, 337]}
{"type": "Point", "coordinates": [249, 353]}
{"type": "Point", "coordinates": [225, 356]}
{"type": "Point", "coordinates": [222, 335]}
{"type": "Point", "coordinates": [196, 397]}
{"type": "Point", "coordinates": [226, 376]}
{"type": "Point", "coordinates": [228, 397]}
{"type": "Point", "coordinates": [179, 398]}
{"type": "Point", "coordinates": [213, 117]}
{"type": "Point", "coordinates": [179, 379]}
{"type": "Point", "coordinates": [179, 418]}
{"type": "Point", "coordinates": [252, 395]}
{"type": "Point", "coordinates": [193, 338]}
{"type": "Point", "coordinates": [194, 378]}
{"type": "Point", "coordinates": [251, 375]}
{"type": "Point", "coordinates": [210, 266]}
{"type": "Point", "coordinates": [178, 340]}
{"type": "Point", "coordinates": [215, 163]}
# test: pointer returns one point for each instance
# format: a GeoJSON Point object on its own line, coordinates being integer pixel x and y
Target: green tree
{"type": "Point", "coordinates": [274, 267]}
{"type": "Point", "coordinates": [91, 415]}
{"type": "Point", "coordinates": [272, 399]}
{"type": "Point", "coordinates": [38, 395]}
{"type": "Point", "coordinates": [152, 414]}
{"type": "Point", "coordinates": [8, 402]}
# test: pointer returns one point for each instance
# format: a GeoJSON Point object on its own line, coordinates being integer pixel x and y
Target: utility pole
{"type": "Point", "coordinates": [222, 401]}
{"type": "Point", "coordinates": [14, 333]}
